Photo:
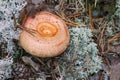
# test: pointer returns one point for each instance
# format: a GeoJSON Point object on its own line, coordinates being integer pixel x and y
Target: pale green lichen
{"type": "Point", "coordinates": [5, 68]}
{"type": "Point", "coordinates": [113, 25]}
{"type": "Point", "coordinates": [80, 59]}
{"type": "Point", "coordinates": [117, 13]}
{"type": "Point", "coordinates": [8, 31]}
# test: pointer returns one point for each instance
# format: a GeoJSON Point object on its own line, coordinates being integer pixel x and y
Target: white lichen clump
{"type": "Point", "coordinates": [114, 21]}
{"type": "Point", "coordinates": [5, 68]}
{"type": "Point", "coordinates": [7, 29]}
{"type": "Point", "coordinates": [81, 59]}
{"type": "Point", "coordinates": [117, 13]}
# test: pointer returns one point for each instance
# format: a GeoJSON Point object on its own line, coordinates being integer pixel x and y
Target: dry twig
{"type": "Point", "coordinates": [17, 25]}
{"type": "Point", "coordinates": [112, 39]}
{"type": "Point", "coordinates": [67, 20]}
{"type": "Point", "coordinates": [90, 16]}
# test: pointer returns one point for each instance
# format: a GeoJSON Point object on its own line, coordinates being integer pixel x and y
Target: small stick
{"type": "Point", "coordinates": [90, 16]}
{"type": "Point", "coordinates": [68, 21]}
{"type": "Point", "coordinates": [17, 25]}
{"type": "Point", "coordinates": [111, 39]}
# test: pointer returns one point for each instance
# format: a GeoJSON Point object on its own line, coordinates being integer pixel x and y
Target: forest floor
{"type": "Point", "coordinates": [99, 16]}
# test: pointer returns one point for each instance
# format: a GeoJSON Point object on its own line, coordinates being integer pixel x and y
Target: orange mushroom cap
{"type": "Point", "coordinates": [52, 36]}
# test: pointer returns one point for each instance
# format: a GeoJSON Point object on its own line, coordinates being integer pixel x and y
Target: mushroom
{"type": "Point", "coordinates": [51, 38]}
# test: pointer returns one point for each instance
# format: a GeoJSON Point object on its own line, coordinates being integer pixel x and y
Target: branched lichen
{"type": "Point", "coordinates": [5, 68]}
{"type": "Point", "coordinates": [81, 59]}
{"type": "Point", "coordinates": [7, 29]}
{"type": "Point", "coordinates": [117, 13]}
{"type": "Point", "coordinates": [113, 25]}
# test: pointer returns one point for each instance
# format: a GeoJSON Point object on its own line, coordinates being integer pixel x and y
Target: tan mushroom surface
{"type": "Point", "coordinates": [52, 36]}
